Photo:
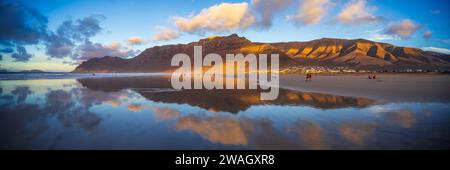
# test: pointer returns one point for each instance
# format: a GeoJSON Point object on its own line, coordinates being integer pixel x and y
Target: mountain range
{"type": "Point", "coordinates": [326, 52]}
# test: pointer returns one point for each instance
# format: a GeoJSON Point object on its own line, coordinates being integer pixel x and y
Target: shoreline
{"type": "Point", "coordinates": [388, 87]}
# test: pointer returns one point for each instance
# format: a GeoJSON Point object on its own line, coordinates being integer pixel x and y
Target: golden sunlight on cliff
{"type": "Point", "coordinates": [256, 48]}
{"type": "Point", "coordinates": [213, 37]}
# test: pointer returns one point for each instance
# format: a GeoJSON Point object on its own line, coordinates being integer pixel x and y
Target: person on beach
{"type": "Point", "coordinates": [370, 77]}
{"type": "Point", "coordinates": [374, 77]}
{"type": "Point", "coordinates": [308, 76]}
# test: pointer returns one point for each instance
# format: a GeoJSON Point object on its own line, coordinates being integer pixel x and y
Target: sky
{"type": "Point", "coordinates": [57, 35]}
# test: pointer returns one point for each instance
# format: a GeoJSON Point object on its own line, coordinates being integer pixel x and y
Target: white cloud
{"type": "Point", "coordinates": [218, 18]}
{"type": "Point", "coordinates": [436, 49]}
{"type": "Point", "coordinates": [403, 29]}
{"type": "Point", "coordinates": [311, 12]}
{"type": "Point", "coordinates": [135, 40]}
{"type": "Point", "coordinates": [356, 12]}
{"type": "Point", "coordinates": [165, 34]}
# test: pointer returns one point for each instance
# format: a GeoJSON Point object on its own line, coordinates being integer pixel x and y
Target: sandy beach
{"type": "Point", "coordinates": [386, 88]}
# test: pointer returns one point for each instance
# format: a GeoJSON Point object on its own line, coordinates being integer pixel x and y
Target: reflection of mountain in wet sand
{"type": "Point", "coordinates": [159, 89]}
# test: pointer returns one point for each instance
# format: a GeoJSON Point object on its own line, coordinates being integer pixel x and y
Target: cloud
{"type": "Point", "coordinates": [427, 34]}
{"type": "Point", "coordinates": [7, 50]}
{"type": "Point", "coordinates": [223, 17]}
{"type": "Point", "coordinates": [436, 49]}
{"type": "Point", "coordinates": [403, 29]}
{"type": "Point", "coordinates": [311, 12]}
{"type": "Point", "coordinates": [21, 54]}
{"type": "Point", "coordinates": [356, 12]}
{"type": "Point", "coordinates": [135, 40]}
{"type": "Point", "coordinates": [66, 43]}
{"type": "Point", "coordinates": [266, 10]}
{"type": "Point", "coordinates": [435, 12]}
{"type": "Point", "coordinates": [25, 26]}
{"type": "Point", "coordinates": [89, 50]}
{"type": "Point", "coordinates": [62, 43]}
{"type": "Point", "coordinates": [114, 46]}
{"type": "Point", "coordinates": [445, 41]}
{"type": "Point", "coordinates": [58, 46]}
{"type": "Point", "coordinates": [21, 24]}
{"type": "Point", "coordinates": [379, 35]}
{"type": "Point", "coordinates": [165, 34]}
{"type": "Point", "coordinates": [81, 29]}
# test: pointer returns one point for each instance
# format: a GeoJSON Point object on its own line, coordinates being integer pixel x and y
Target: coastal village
{"type": "Point", "coordinates": [324, 69]}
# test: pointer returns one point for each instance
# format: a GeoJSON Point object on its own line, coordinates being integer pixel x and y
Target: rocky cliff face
{"type": "Point", "coordinates": [362, 53]}
{"type": "Point", "coordinates": [359, 53]}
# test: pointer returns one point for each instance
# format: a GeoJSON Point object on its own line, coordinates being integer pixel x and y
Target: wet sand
{"type": "Point", "coordinates": [386, 88]}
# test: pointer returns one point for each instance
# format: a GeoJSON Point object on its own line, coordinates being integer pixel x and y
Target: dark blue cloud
{"type": "Point", "coordinates": [58, 46]}
{"type": "Point", "coordinates": [21, 54]}
{"type": "Point", "coordinates": [21, 25]}
{"type": "Point", "coordinates": [7, 50]}
{"type": "Point", "coordinates": [81, 29]}
{"type": "Point", "coordinates": [63, 42]}
{"type": "Point", "coordinates": [72, 38]}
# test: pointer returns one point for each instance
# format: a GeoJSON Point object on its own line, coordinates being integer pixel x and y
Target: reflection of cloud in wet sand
{"type": "Point", "coordinates": [311, 134]}
{"type": "Point", "coordinates": [356, 132]}
{"type": "Point", "coordinates": [21, 123]}
{"type": "Point", "coordinates": [21, 92]}
{"type": "Point", "coordinates": [114, 103]}
{"type": "Point", "coordinates": [258, 134]}
{"type": "Point", "coordinates": [89, 97]}
{"type": "Point", "coordinates": [427, 112]}
{"type": "Point", "coordinates": [58, 101]}
{"type": "Point", "coordinates": [165, 113]}
{"type": "Point", "coordinates": [62, 104]}
{"type": "Point", "coordinates": [404, 117]}
{"type": "Point", "coordinates": [229, 130]}
{"type": "Point", "coordinates": [217, 129]}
